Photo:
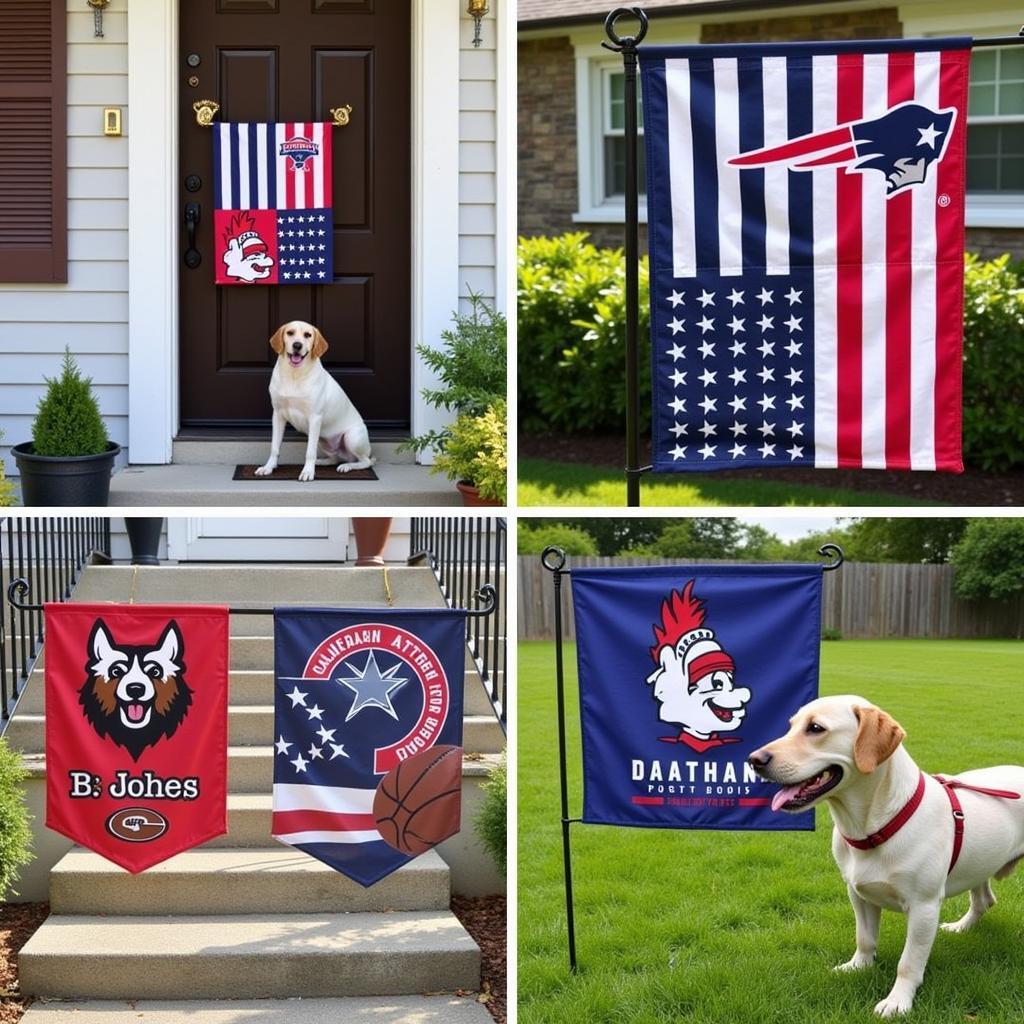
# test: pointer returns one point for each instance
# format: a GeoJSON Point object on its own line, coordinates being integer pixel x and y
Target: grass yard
{"type": "Point", "coordinates": [743, 928]}
{"type": "Point", "coordinates": [545, 482]}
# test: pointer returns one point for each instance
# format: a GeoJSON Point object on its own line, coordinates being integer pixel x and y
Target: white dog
{"type": "Point", "coordinates": [305, 395]}
{"type": "Point", "coordinates": [899, 839]}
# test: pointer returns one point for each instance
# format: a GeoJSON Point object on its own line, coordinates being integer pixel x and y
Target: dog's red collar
{"type": "Point", "coordinates": [949, 785]}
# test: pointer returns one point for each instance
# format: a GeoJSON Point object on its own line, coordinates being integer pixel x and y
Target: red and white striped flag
{"type": "Point", "coordinates": [806, 210]}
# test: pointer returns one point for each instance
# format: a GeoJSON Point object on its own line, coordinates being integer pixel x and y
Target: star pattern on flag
{"type": "Point", "coordinates": [373, 688]}
{"type": "Point", "coordinates": [303, 247]}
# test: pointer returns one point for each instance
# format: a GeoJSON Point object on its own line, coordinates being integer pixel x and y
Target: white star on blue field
{"type": "Point", "coordinates": [373, 688]}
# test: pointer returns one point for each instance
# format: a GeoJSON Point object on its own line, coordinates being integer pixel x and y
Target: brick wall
{"type": "Point", "coordinates": [991, 242]}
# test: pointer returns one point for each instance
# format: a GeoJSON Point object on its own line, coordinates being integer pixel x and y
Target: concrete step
{"type": "Point", "coordinates": [211, 485]}
{"type": "Point", "coordinates": [253, 450]}
{"type": "Point", "coordinates": [247, 956]}
{"type": "Point", "coordinates": [275, 880]}
{"type": "Point", "coordinates": [252, 725]}
{"type": "Point", "coordinates": [375, 1010]}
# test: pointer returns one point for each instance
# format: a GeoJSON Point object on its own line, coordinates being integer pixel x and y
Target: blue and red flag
{"type": "Point", "coordinates": [683, 672]}
{"type": "Point", "coordinates": [806, 224]}
{"type": "Point", "coordinates": [357, 695]}
{"type": "Point", "coordinates": [273, 222]}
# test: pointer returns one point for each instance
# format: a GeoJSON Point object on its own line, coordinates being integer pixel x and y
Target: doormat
{"type": "Point", "coordinates": [292, 473]}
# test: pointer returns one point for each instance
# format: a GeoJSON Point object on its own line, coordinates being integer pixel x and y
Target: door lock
{"type": "Point", "coordinates": [193, 213]}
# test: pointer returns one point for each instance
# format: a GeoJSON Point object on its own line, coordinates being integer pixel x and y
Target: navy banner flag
{"type": "Point", "coordinates": [368, 734]}
{"type": "Point", "coordinates": [806, 211]}
{"type": "Point", "coordinates": [683, 672]}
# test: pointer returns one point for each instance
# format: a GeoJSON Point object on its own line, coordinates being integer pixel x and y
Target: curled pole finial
{"type": "Point", "coordinates": [553, 558]}
{"type": "Point", "coordinates": [487, 598]}
{"type": "Point", "coordinates": [619, 43]}
{"type": "Point", "coordinates": [17, 591]}
{"type": "Point", "coordinates": [833, 552]}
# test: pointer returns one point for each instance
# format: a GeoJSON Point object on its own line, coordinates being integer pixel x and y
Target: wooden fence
{"type": "Point", "coordinates": [861, 600]}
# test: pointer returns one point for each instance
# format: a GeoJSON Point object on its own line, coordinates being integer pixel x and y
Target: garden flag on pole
{"type": "Point", "coordinates": [684, 671]}
{"type": "Point", "coordinates": [136, 728]}
{"type": "Point", "coordinates": [806, 222]}
{"type": "Point", "coordinates": [273, 222]}
{"type": "Point", "coordinates": [368, 734]}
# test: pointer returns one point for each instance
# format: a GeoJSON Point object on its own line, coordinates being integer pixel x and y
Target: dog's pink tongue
{"type": "Point", "coordinates": [135, 712]}
{"type": "Point", "coordinates": [295, 360]}
{"type": "Point", "coordinates": [783, 796]}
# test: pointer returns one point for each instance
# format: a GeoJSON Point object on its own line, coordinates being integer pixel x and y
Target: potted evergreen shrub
{"type": "Point", "coordinates": [475, 455]}
{"type": "Point", "coordinates": [70, 457]}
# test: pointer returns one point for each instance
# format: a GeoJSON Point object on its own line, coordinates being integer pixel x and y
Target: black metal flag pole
{"type": "Point", "coordinates": [553, 559]}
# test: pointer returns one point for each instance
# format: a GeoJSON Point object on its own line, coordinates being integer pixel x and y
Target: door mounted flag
{"type": "Point", "coordinates": [136, 728]}
{"type": "Point", "coordinates": [368, 728]}
{"type": "Point", "coordinates": [806, 226]}
{"type": "Point", "coordinates": [273, 222]}
{"type": "Point", "coordinates": [683, 672]}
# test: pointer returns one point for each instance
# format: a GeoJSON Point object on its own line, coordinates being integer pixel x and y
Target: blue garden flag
{"type": "Point", "coordinates": [683, 672]}
{"type": "Point", "coordinates": [368, 734]}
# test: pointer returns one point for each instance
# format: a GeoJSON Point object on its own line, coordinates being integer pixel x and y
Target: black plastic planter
{"type": "Point", "coordinates": [144, 536]}
{"type": "Point", "coordinates": [48, 481]}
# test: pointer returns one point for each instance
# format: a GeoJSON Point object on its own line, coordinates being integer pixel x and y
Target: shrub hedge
{"type": "Point", "coordinates": [572, 336]}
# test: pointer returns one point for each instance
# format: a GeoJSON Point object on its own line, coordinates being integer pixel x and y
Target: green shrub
{"type": "Point", "coordinates": [571, 540]}
{"type": "Point", "coordinates": [6, 487]}
{"type": "Point", "coordinates": [571, 336]}
{"type": "Point", "coordinates": [476, 451]}
{"type": "Point", "coordinates": [68, 420]}
{"type": "Point", "coordinates": [993, 364]}
{"type": "Point", "coordinates": [831, 633]}
{"type": "Point", "coordinates": [491, 822]}
{"type": "Point", "coordinates": [15, 834]}
{"type": "Point", "coordinates": [988, 560]}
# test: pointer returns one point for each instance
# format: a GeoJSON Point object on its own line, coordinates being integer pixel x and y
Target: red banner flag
{"type": "Point", "coordinates": [136, 728]}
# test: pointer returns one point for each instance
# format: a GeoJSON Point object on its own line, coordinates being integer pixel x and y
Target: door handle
{"type": "Point", "coordinates": [193, 212]}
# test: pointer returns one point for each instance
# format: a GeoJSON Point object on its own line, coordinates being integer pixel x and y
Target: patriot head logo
{"type": "Point", "coordinates": [245, 255]}
{"type": "Point", "coordinates": [300, 151]}
{"type": "Point", "coordinates": [901, 144]}
{"type": "Point", "coordinates": [695, 679]}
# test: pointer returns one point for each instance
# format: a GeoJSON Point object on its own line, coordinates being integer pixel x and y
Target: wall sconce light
{"type": "Point", "coordinates": [97, 14]}
{"type": "Point", "coordinates": [477, 9]}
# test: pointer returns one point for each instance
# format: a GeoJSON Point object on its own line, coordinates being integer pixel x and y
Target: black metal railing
{"type": "Point", "coordinates": [49, 553]}
{"type": "Point", "coordinates": [465, 553]}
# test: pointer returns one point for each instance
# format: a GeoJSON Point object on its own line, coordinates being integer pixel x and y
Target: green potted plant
{"type": "Point", "coordinates": [475, 455]}
{"type": "Point", "coordinates": [6, 487]}
{"type": "Point", "coordinates": [471, 371]}
{"type": "Point", "coordinates": [70, 457]}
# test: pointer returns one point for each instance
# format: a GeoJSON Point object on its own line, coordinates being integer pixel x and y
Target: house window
{"type": "Point", "coordinates": [995, 129]}
{"type": "Point", "coordinates": [613, 136]}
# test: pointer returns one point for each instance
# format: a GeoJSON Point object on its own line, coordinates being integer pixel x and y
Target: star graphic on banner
{"type": "Point", "coordinates": [736, 324]}
{"type": "Point", "coordinates": [315, 712]}
{"type": "Point", "coordinates": [338, 750]}
{"type": "Point", "coordinates": [706, 298]}
{"type": "Point", "coordinates": [766, 449]}
{"type": "Point", "coordinates": [766, 373]}
{"type": "Point", "coordinates": [795, 402]}
{"type": "Point", "coordinates": [708, 404]}
{"type": "Point", "coordinates": [282, 745]}
{"type": "Point", "coordinates": [300, 763]}
{"type": "Point", "coordinates": [766, 323]}
{"type": "Point", "coordinates": [676, 298]}
{"type": "Point", "coordinates": [738, 404]}
{"type": "Point", "coordinates": [738, 348]}
{"type": "Point", "coordinates": [678, 429]}
{"type": "Point", "coordinates": [928, 135]}
{"type": "Point", "coordinates": [325, 734]}
{"type": "Point", "coordinates": [738, 377]}
{"type": "Point", "coordinates": [678, 378]}
{"type": "Point", "coordinates": [766, 402]}
{"type": "Point", "coordinates": [676, 325]}
{"type": "Point", "coordinates": [708, 429]}
{"type": "Point", "coordinates": [297, 697]}
{"type": "Point", "coordinates": [766, 348]}
{"type": "Point", "coordinates": [708, 377]}
{"type": "Point", "coordinates": [708, 451]}
{"type": "Point", "coordinates": [735, 297]}
{"type": "Point", "coordinates": [766, 429]}
{"type": "Point", "coordinates": [706, 348]}
{"type": "Point", "coordinates": [794, 322]}
{"type": "Point", "coordinates": [765, 296]}
{"type": "Point", "coordinates": [796, 452]}
{"type": "Point", "coordinates": [315, 752]}
{"type": "Point", "coordinates": [794, 347]}
{"type": "Point", "coordinates": [793, 295]}
{"type": "Point", "coordinates": [678, 453]}
{"type": "Point", "coordinates": [795, 428]}
{"type": "Point", "coordinates": [373, 688]}
{"type": "Point", "coordinates": [795, 377]}
{"type": "Point", "coordinates": [737, 450]}
{"type": "Point", "coordinates": [677, 405]}
{"type": "Point", "coordinates": [706, 324]}
{"type": "Point", "coordinates": [676, 352]}
{"type": "Point", "coordinates": [738, 428]}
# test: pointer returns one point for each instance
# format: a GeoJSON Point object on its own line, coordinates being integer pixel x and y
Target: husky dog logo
{"type": "Point", "coordinates": [300, 151]}
{"type": "Point", "coordinates": [694, 680]}
{"type": "Point", "coordinates": [245, 254]}
{"type": "Point", "coordinates": [902, 144]}
{"type": "Point", "coordinates": [135, 694]}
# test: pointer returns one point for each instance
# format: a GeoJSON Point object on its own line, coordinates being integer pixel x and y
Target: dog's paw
{"type": "Point", "coordinates": [308, 473]}
{"type": "Point", "coordinates": [894, 1005]}
{"type": "Point", "coordinates": [857, 963]}
{"type": "Point", "coordinates": [956, 927]}
{"type": "Point", "coordinates": [344, 467]}
{"type": "Point", "coordinates": [266, 469]}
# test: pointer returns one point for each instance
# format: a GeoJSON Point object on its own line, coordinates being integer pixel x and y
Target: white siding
{"type": "Point", "coordinates": [478, 159]}
{"type": "Point", "coordinates": [89, 313]}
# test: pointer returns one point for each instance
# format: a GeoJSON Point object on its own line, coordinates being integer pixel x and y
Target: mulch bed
{"type": "Point", "coordinates": [973, 487]}
{"type": "Point", "coordinates": [17, 923]}
{"type": "Point", "coordinates": [484, 918]}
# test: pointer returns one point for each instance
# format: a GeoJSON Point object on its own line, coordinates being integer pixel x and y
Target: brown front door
{"type": "Point", "coordinates": [293, 60]}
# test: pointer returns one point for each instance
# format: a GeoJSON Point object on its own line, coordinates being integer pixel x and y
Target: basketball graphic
{"type": "Point", "coordinates": [417, 803]}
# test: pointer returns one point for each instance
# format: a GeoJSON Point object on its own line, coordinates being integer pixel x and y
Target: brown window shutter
{"type": "Point", "coordinates": [33, 141]}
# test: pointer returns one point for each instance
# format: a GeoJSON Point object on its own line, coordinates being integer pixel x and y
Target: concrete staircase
{"type": "Point", "coordinates": [201, 470]}
{"type": "Point", "coordinates": [243, 929]}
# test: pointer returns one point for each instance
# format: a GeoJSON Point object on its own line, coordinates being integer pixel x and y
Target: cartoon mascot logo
{"type": "Point", "coordinates": [902, 144]}
{"type": "Point", "coordinates": [300, 151]}
{"type": "Point", "coordinates": [136, 695]}
{"type": "Point", "coordinates": [245, 253]}
{"type": "Point", "coordinates": [694, 680]}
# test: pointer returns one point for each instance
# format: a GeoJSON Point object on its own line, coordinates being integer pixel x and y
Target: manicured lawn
{"type": "Point", "coordinates": [743, 928]}
{"type": "Point", "coordinates": [544, 482]}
